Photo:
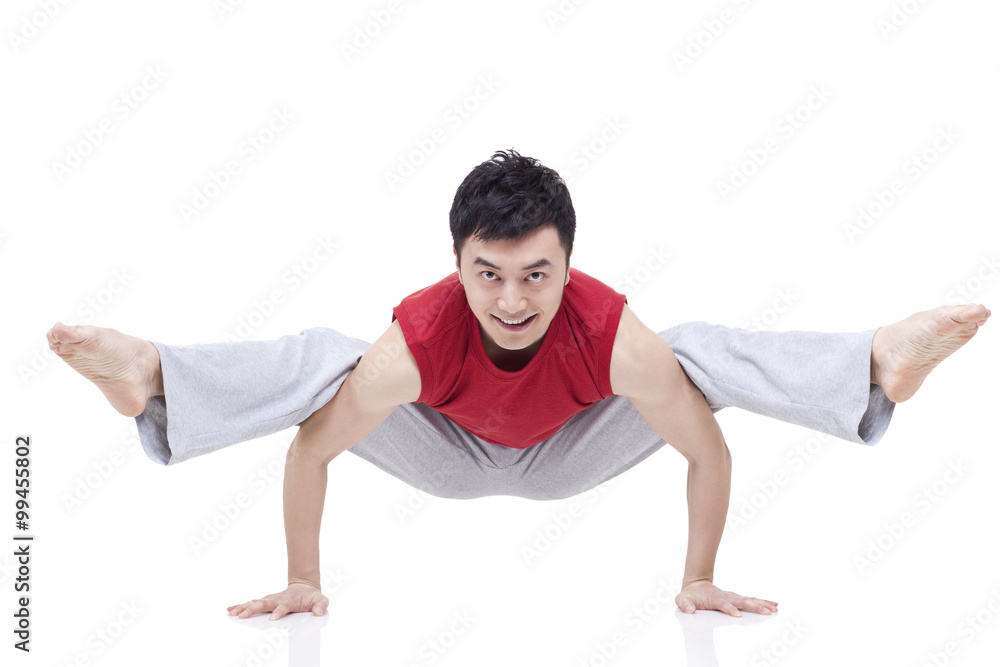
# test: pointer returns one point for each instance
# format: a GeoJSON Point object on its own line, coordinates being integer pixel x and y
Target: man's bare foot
{"type": "Point", "coordinates": [125, 368]}
{"type": "Point", "coordinates": [905, 352]}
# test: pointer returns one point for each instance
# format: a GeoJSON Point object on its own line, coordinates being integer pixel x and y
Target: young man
{"type": "Point", "coordinates": [515, 375]}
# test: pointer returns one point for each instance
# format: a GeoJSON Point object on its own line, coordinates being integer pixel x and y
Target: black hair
{"type": "Point", "coordinates": [508, 197]}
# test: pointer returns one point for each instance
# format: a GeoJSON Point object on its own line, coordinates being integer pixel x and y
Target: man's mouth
{"type": "Point", "coordinates": [514, 325]}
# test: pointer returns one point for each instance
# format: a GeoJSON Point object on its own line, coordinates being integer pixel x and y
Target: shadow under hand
{"type": "Point", "coordinates": [699, 632]}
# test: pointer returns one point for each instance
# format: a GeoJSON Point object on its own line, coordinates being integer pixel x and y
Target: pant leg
{"type": "Point", "coordinates": [817, 380]}
{"type": "Point", "coordinates": [218, 394]}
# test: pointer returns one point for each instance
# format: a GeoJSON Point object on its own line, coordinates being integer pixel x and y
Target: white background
{"type": "Point", "coordinates": [654, 185]}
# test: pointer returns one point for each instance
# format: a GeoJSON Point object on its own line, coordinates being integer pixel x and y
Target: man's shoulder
{"type": "Point", "coordinates": [429, 324]}
{"type": "Point", "coordinates": [387, 373]}
{"type": "Point", "coordinates": [633, 355]}
{"type": "Point", "coordinates": [432, 308]}
{"type": "Point", "coordinates": [592, 301]}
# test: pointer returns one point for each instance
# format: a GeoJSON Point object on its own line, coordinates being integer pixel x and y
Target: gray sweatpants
{"type": "Point", "coordinates": [218, 394]}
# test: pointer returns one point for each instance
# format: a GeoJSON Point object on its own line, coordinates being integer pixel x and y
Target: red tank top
{"type": "Point", "coordinates": [570, 372]}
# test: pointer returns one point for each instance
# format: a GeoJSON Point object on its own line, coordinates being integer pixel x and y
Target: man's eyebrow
{"type": "Point", "coordinates": [539, 263]}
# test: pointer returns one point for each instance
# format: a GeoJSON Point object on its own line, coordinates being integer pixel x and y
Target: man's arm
{"type": "Point", "coordinates": [365, 399]}
{"type": "Point", "coordinates": [369, 394]}
{"type": "Point", "coordinates": [644, 368]}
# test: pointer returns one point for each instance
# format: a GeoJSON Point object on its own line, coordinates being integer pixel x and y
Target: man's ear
{"type": "Point", "coordinates": [458, 265]}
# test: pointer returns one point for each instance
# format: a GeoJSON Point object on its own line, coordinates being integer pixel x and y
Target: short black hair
{"type": "Point", "coordinates": [508, 197]}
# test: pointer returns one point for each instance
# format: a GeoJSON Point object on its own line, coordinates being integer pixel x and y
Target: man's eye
{"type": "Point", "coordinates": [540, 275]}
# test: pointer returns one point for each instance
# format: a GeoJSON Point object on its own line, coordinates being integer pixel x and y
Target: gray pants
{"type": "Point", "coordinates": [218, 394]}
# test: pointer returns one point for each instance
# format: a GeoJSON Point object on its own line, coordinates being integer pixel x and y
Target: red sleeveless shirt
{"type": "Point", "coordinates": [570, 372]}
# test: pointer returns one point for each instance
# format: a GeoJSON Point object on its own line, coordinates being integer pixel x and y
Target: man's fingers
{"type": "Point", "coordinates": [279, 611]}
{"type": "Point", "coordinates": [685, 603]}
{"type": "Point", "coordinates": [254, 607]}
{"type": "Point", "coordinates": [760, 605]}
{"type": "Point", "coordinates": [726, 602]}
{"type": "Point", "coordinates": [236, 608]}
{"type": "Point", "coordinates": [730, 609]}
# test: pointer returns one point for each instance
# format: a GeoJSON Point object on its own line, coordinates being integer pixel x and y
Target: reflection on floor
{"type": "Point", "coordinates": [303, 631]}
{"type": "Point", "coordinates": [699, 632]}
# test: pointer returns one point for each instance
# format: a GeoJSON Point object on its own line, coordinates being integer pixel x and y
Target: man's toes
{"type": "Point", "coordinates": [973, 312]}
{"type": "Point", "coordinates": [85, 335]}
{"type": "Point", "coordinates": [63, 333]}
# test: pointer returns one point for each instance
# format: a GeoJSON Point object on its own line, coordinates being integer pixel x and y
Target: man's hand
{"type": "Point", "coordinates": [297, 597]}
{"type": "Point", "coordinates": [705, 595]}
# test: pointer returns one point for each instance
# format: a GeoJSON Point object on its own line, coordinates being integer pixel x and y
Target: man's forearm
{"type": "Point", "coordinates": [681, 416]}
{"type": "Point", "coordinates": [708, 489]}
{"type": "Point", "coordinates": [304, 496]}
{"type": "Point", "coordinates": [328, 432]}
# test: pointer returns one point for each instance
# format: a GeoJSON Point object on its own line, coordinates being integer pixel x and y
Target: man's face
{"type": "Point", "coordinates": [514, 280]}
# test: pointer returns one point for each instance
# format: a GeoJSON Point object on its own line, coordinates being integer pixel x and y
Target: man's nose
{"type": "Point", "coordinates": [511, 300]}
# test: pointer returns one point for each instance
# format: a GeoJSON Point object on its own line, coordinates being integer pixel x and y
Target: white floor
{"type": "Point", "coordinates": [474, 582]}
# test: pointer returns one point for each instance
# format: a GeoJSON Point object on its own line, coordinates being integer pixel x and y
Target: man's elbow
{"type": "Point", "coordinates": [308, 452]}
{"type": "Point", "coordinates": [326, 432]}
{"type": "Point", "coordinates": [711, 454]}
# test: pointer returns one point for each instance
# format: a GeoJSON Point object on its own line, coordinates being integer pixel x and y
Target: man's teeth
{"type": "Point", "coordinates": [514, 322]}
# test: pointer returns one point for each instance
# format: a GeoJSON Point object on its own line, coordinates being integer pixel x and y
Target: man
{"type": "Point", "coordinates": [515, 375]}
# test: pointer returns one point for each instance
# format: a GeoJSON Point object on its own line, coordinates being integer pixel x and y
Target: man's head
{"type": "Point", "coordinates": [513, 225]}
{"type": "Point", "coordinates": [508, 197]}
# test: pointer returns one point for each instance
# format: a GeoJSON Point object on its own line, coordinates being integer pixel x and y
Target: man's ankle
{"type": "Point", "coordinates": [156, 374]}
{"type": "Point", "coordinates": [877, 354]}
